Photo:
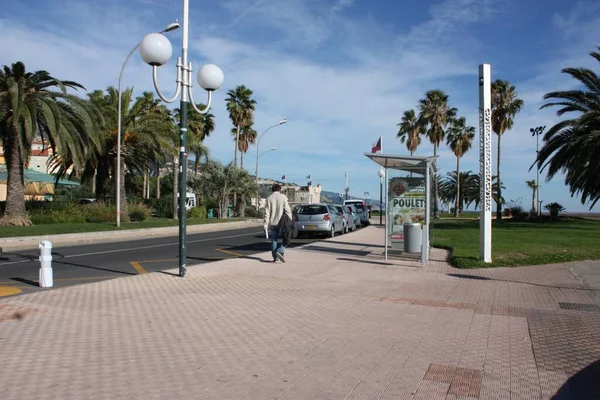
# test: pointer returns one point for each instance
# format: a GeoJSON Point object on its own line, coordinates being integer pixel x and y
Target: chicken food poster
{"type": "Point", "coordinates": [406, 203]}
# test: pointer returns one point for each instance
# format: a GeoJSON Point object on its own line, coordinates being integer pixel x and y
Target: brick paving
{"type": "Point", "coordinates": [334, 322]}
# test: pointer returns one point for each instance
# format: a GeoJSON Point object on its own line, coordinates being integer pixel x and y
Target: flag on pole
{"type": "Point", "coordinates": [377, 146]}
{"type": "Point", "coordinates": [308, 177]}
{"type": "Point", "coordinates": [283, 177]}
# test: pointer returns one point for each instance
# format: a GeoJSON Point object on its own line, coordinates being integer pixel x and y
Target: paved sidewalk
{"type": "Point", "coordinates": [334, 322]}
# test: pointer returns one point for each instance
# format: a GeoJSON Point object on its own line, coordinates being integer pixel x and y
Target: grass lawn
{"type": "Point", "coordinates": [55, 229]}
{"type": "Point", "coordinates": [519, 243]}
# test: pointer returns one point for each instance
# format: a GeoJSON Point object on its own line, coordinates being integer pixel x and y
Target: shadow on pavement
{"type": "Point", "coordinates": [481, 278]}
{"type": "Point", "coordinates": [357, 244]}
{"type": "Point", "coordinates": [364, 261]}
{"type": "Point", "coordinates": [584, 385]}
{"type": "Point", "coordinates": [334, 250]}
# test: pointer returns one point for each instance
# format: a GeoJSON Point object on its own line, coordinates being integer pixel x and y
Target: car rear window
{"type": "Point", "coordinates": [311, 210]}
{"type": "Point", "coordinates": [358, 206]}
{"type": "Point", "coordinates": [340, 209]}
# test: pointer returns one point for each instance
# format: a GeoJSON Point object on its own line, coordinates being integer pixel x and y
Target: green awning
{"type": "Point", "coordinates": [31, 175]}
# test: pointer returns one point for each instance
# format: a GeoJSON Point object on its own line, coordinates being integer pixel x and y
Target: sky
{"type": "Point", "coordinates": [342, 72]}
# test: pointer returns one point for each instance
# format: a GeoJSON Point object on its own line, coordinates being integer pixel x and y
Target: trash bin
{"type": "Point", "coordinates": [210, 213]}
{"type": "Point", "coordinates": [229, 210]}
{"type": "Point", "coordinates": [412, 237]}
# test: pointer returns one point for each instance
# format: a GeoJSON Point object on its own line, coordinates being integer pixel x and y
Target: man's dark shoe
{"type": "Point", "coordinates": [280, 257]}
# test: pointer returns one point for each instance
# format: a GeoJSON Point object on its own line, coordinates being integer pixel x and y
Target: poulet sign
{"type": "Point", "coordinates": [406, 199]}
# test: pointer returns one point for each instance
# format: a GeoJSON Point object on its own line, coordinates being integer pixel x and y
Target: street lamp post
{"type": "Point", "coordinates": [156, 50]}
{"type": "Point", "coordinates": [280, 122]}
{"type": "Point", "coordinates": [171, 27]}
{"type": "Point", "coordinates": [537, 131]}
{"type": "Point", "coordinates": [381, 174]}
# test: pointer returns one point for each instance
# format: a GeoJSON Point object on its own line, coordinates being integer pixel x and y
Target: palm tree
{"type": "Point", "coordinates": [460, 138]}
{"type": "Point", "coordinates": [572, 146]}
{"type": "Point", "coordinates": [435, 112]}
{"type": "Point", "coordinates": [37, 104]}
{"type": "Point", "coordinates": [145, 124]}
{"type": "Point", "coordinates": [532, 184]}
{"type": "Point", "coordinates": [410, 130]}
{"type": "Point", "coordinates": [241, 111]}
{"type": "Point", "coordinates": [505, 105]}
{"type": "Point", "coordinates": [247, 137]}
{"type": "Point", "coordinates": [462, 191]}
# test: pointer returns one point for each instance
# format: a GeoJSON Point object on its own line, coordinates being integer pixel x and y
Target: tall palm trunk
{"type": "Point", "coordinates": [123, 199]}
{"type": "Point", "coordinates": [499, 201]}
{"type": "Point", "coordinates": [533, 210]}
{"type": "Point", "coordinates": [436, 212]}
{"type": "Point", "coordinates": [175, 186]}
{"type": "Point", "coordinates": [458, 202]}
{"type": "Point", "coordinates": [237, 143]}
{"type": "Point", "coordinates": [145, 184]}
{"type": "Point", "coordinates": [14, 212]}
{"type": "Point", "coordinates": [241, 159]}
{"type": "Point", "coordinates": [158, 185]}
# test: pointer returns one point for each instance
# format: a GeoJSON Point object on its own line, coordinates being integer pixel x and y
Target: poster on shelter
{"type": "Point", "coordinates": [406, 203]}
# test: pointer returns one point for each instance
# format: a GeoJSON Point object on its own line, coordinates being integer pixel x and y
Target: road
{"type": "Point", "coordinates": [72, 265]}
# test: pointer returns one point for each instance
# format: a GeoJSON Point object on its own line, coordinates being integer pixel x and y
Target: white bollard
{"type": "Point", "coordinates": [46, 263]}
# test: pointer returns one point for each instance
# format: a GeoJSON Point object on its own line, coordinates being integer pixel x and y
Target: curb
{"type": "Point", "coordinates": [75, 239]}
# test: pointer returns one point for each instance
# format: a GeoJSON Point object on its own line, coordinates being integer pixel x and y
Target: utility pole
{"type": "Point", "coordinates": [537, 131]}
{"type": "Point", "coordinates": [346, 188]}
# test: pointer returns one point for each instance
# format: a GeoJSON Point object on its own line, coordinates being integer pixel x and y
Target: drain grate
{"type": "Point", "coordinates": [579, 307]}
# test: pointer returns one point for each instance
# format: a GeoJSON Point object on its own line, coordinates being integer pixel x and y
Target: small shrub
{"type": "Point", "coordinates": [163, 207]}
{"type": "Point", "coordinates": [197, 212]}
{"type": "Point", "coordinates": [58, 217]}
{"type": "Point", "coordinates": [138, 212]}
{"type": "Point", "coordinates": [99, 212]}
{"type": "Point", "coordinates": [250, 211]}
{"type": "Point", "coordinates": [554, 209]}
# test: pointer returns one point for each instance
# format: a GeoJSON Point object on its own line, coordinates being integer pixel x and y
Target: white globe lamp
{"type": "Point", "coordinates": [210, 77]}
{"type": "Point", "coordinates": [155, 49]}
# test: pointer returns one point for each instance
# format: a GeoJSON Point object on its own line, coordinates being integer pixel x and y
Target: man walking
{"type": "Point", "coordinates": [276, 209]}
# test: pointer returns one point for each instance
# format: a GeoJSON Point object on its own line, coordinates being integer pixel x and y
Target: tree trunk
{"type": "Point", "coordinates": [145, 184]}
{"type": "Point", "coordinates": [158, 185]}
{"type": "Point", "coordinates": [533, 211]}
{"type": "Point", "coordinates": [457, 205]}
{"type": "Point", "coordinates": [94, 180]}
{"type": "Point", "coordinates": [14, 211]}
{"type": "Point", "coordinates": [241, 159]}
{"type": "Point", "coordinates": [499, 201]}
{"type": "Point", "coordinates": [175, 186]}
{"type": "Point", "coordinates": [123, 199]}
{"type": "Point", "coordinates": [436, 212]}
{"type": "Point", "coordinates": [240, 207]}
{"type": "Point", "coordinates": [237, 142]}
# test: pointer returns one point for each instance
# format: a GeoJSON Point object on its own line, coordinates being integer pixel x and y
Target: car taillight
{"type": "Point", "coordinates": [326, 217]}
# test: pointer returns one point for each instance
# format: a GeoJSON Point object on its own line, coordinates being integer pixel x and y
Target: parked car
{"type": "Point", "coordinates": [318, 218]}
{"type": "Point", "coordinates": [356, 216]}
{"type": "Point", "coordinates": [347, 217]}
{"type": "Point", "coordinates": [361, 208]}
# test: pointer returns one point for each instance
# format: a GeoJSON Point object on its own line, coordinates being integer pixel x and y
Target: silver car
{"type": "Point", "coordinates": [347, 217]}
{"type": "Point", "coordinates": [355, 214]}
{"type": "Point", "coordinates": [318, 218]}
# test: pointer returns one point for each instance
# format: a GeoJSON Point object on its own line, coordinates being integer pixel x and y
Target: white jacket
{"type": "Point", "coordinates": [275, 206]}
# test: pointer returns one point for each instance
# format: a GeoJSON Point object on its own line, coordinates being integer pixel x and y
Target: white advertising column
{"type": "Point", "coordinates": [485, 163]}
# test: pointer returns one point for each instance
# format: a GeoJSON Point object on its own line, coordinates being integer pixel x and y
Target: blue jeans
{"type": "Point", "coordinates": [275, 246]}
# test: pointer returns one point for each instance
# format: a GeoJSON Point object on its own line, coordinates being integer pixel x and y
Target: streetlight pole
{"type": "Point", "coordinates": [171, 27]}
{"type": "Point", "coordinates": [156, 50]}
{"type": "Point", "coordinates": [280, 122]}
{"type": "Point", "coordinates": [381, 174]}
{"type": "Point", "coordinates": [537, 131]}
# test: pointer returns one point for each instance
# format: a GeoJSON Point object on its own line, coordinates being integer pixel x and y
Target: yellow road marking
{"type": "Point", "coordinates": [9, 291]}
{"type": "Point", "coordinates": [233, 253]}
{"type": "Point", "coordinates": [138, 267]}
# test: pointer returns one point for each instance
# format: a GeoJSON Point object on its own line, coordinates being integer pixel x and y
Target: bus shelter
{"type": "Point", "coordinates": [408, 198]}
